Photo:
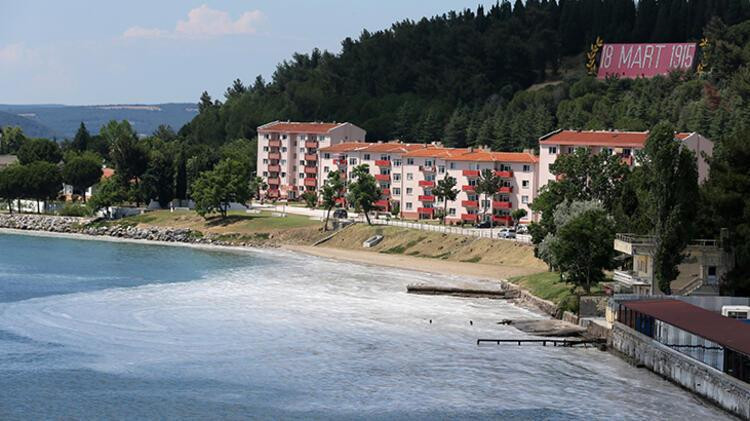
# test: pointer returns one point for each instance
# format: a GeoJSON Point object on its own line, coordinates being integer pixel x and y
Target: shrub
{"type": "Point", "coordinates": [75, 209]}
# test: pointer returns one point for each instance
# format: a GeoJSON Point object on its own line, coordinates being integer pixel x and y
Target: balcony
{"type": "Point", "coordinates": [311, 144]}
{"type": "Point", "coordinates": [427, 168]}
{"type": "Point", "coordinates": [383, 163]}
{"type": "Point", "coordinates": [470, 203]}
{"type": "Point", "coordinates": [504, 174]}
{"type": "Point", "coordinates": [426, 183]}
{"type": "Point", "coordinates": [501, 205]}
{"type": "Point", "coordinates": [340, 161]}
{"type": "Point", "coordinates": [273, 193]}
{"type": "Point", "coordinates": [311, 157]}
{"type": "Point", "coordinates": [274, 155]}
{"type": "Point", "coordinates": [274, 143]}
{"type": "Point", "coordinates": [311, 182]}
{"type": "Point", "coordinates": [383, 204]}
{"type": "Point", "coordinates": [505, 189]}
{"type": "Point", "coordinates": [383, 177]}
{"type": "Point", "coordinates": [311, 170]}
{"type": "Point", "coordinates": [426, 198]}
{"type": "Point", "coordinates": [274, 168]}
{"type": "Point", "coordinates": [426, 211]}
{"type": "Point", "coordinates": [503, 219]}
{"type": "Point", "coordinates": [470, 217]}
{"type": "Point", "coordinates": [386, 192]}
{"type": "Point", "coordinates": [468, 188]}
{"type": "Point", "coordinates": [470, 173]}
{"type": "Point", "coordinates": [274, 181]}
{"type": "Point", "coordinates": [627, 160]}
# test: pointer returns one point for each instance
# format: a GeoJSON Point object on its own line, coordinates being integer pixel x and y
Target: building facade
{"type": "Point", "coordinates": [288, 154]}
{"type": "Point", "coordinates": [623, 144]}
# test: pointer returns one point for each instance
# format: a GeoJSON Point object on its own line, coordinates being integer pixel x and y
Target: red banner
{"type": "Point", "coordinates": [645, 60]}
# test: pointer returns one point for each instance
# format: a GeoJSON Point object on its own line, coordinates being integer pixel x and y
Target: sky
{"type": "Point", "coordinates": [147, 51]}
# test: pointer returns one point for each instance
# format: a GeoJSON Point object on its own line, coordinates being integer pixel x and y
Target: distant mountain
{"type": "Point", "coordinates": [30, 127]}
{"type": "Point", "coordinates": [62, 121]}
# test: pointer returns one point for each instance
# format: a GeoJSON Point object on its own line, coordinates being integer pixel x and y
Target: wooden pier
{"type": "Point", "coordinates": [565, 343]}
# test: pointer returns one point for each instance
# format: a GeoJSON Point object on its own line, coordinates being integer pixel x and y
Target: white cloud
{"type": "Point", "coordinates": [203, 22]}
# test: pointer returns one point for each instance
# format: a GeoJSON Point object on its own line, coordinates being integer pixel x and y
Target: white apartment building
{"type": "Point", "coordinates": [624, 144]}
{"type": "Point", "coordinates": [288, 153]}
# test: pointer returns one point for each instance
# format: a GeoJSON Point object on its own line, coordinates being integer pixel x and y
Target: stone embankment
{"type": "Point", "coordinates": [87, 226]}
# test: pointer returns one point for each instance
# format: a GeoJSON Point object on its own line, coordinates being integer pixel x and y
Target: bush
{"type": "Point", "coordinates": [75, 209]}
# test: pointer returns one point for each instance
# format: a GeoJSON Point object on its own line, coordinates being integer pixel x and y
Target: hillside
{"type": "Point", "coordinates": [62, 121]}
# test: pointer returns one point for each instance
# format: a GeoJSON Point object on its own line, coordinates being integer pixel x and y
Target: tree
{"type": "Point", "coordinates": [216, 189]}
{"type": "Point", "coordinates": [109, 193]}
{"type": "Point", "coordinates": [310, 198]}
{"type": "Point", "coordinates": [582, 248]}
{"type": "Point", "coordinates": [43, 181]}
{"type": "Point", "coordinates": [395, 208]}
{"type": "Point", "coordinates": [244, 151]}
{"type": "Point", "coordinates": [445, 190]}
{"type": "Point", "coordinates": [488, 185]}
{"type": "Point", "coordinates": [672, 188]}
{"type": "Point", "coordinates": [82, 139]}
{"type": "Point", "coordinates": [12, 180]}
{"type": "Point", "coordinates": [257, 184]}
{"type": "Point", "coordinates": [330, 193]}
{"type": "Point", "coordinates": [11, 139]}
{"type": "Point", "coordinates": [363, 190]}
{"type": "Point", "coordinates": [129, 158]}
{"type": "Point", "coordinates": [34, 150]}
{"type": "Point", "coordinates": [82, 171]}
{"type": "Point", "coordinates": [517, 215]}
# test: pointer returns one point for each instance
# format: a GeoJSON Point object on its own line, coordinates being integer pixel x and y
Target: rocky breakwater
{"type": "Point", "coordinates": [65, 224]}
{"type": "Point", "coordinates": [179, 235]}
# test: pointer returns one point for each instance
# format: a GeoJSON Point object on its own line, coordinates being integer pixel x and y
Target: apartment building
{"type": "Point", "coordinates": [621, 143]}
{"type": "Point", "coordinates": [288, 153]}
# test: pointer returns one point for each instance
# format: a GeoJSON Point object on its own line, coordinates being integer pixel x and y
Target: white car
{"type": "Point", "coordinates": [507, 233]}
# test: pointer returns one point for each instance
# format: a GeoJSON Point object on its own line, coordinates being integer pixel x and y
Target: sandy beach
{"type": "Point", "coordinates": [422, 264]}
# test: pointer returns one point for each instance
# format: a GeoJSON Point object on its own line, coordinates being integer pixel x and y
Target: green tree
{"type": "Point", "coordinates": [672, 189]}
{"type": "Point", "coordinates": [82, 139]}
{"type": "Point", "coordinates": [11, 139]}
{"type": "Point", "coordinates": [244, 151]}
{"type": "Point", "coordinates": [582, 248]}
{"type": "Point", "coordinates": [446, 190]}
{"type": "Point", "coordinates": [82, 171]}
{"type": "Point", "coordinates": [257, 184]}
{"type": "Point", "coordinates": [310, 199]}
{"type": "Point", "coordinates": [488, 185]}
{"type": "Point", "coordinates": [108, 193]}
{"type": "Point", "coordinates": [216, 189]}
{"type": "Point", "coordinates": [518, 215]}
{"type": "Point", "coordinates": [12, 184]}
{"type": "Point", "coordinates": [363, 191]}
{"type": "Point", "coordinates": [43, 181]}
{"type": "Point", "coordinates": [33, 150]}
{"type": "Point", "coordinates": [128, 156]}
{"type": "Point", "coordinates": [330, 193]}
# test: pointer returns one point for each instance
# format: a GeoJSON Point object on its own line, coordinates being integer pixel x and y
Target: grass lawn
{"type": "Point", "coordinates": [547, 285]}
{"type": "Point", "coordinates": [238, 222]}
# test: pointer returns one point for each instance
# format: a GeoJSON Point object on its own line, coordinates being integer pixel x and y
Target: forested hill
{"type": "Point", "coordinates": [460, 77]}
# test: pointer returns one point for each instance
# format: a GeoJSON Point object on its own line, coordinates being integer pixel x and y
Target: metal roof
{"type": "Point", "coordinates": [724, 331]}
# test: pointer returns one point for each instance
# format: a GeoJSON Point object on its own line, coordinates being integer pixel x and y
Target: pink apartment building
{"type": "Point", "coordinates": [624, 144]}
{"type": "Point", "coordinates": [288, 153]}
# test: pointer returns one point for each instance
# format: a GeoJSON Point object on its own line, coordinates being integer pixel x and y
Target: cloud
{"type": "Point", "coordinates": [203, 22]}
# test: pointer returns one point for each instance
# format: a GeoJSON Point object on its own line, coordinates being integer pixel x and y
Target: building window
{"type": "Point", "coordinates": [525, 199]}
{"type": "Point", "coordinates": [452, 211]}
{"type": "Point", "coordinates": [266, 136]}
{"type": "Point", "coordinates": [526, 168]}
{"type": "Point", "coordinates": [302, 162]}
{"type": "Point", "coordinates": [265, 161]}
{"type": "Point", "coordinates": [472, 197]}
{"type": "Point", "coordinates": [441, 169]}
{"type": "Point", "coordinates": [352, 161]}
{"type": "Point", "coordinates": [265, 149]}
{"type": "Point", "coordinates": [326, 156]}
{"type": "Point", "coordinates": [265, 173]}
{"type": "Point", "coordinates": [429, 177]}
{"type": "Point", "coordinates": [474, 167]}
{"type": "Point", "coordinates": [283, 149]}
{"type": "Point", "coordinates": [325, 169]}
{"type": "Point", "coordinates": [301, 137]}
{"type": "Point", "coordinates": [396, 177]}
{"type": "Point", "coordinates": [525, 184]}
{"type": "Point", "coordinates": [302, 150]}
{"type": "Point", "coordinates": [385, 157]}
{"type": "Point", "coordinates": [301, 175]}
{"type": "Point", "coordinates": [396, 191]}
{"type": "Point", "coordinates": [283, 162]}
{"type": "Point", "coordinates": [396, 162]}
{"type": "Point", "coordinates": [472, 181]}
{"type": "Point", "coordinates": [452, 165]}
{"type": "Point", "coordinates": [283, 174]}
{"type": "Point", "coordinates": [366, 157]}
{"type": "Point", "coordinates": [428, 163]}
{"type": "Point", "coordinates": [408, 205]}
{"type": "Point", "coordinates": [409, 176]}
{"type": "Point", "coordinates": [409, 161]}
{"type": "Point", "coordinates": [283, 137]}
{"type": "Point", "coordinates": [553, 150]}
{"type": "Point", "coordinates": [409, 191]}
{"type": "Point", "coordinates": [626, 152]}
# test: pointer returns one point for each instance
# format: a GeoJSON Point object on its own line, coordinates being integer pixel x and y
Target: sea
{"type": "Point", "coordinates": [95, 330]}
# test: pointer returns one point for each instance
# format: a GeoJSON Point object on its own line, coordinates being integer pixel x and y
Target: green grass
{"type": "Point", "coordinates": [236, 221]}
{"type": "Point", "coordinates": [395, 250]}
{"type": "Point", "coordinates": [547, 285]}
{"type": "Point", "coordinates": [474, 259]}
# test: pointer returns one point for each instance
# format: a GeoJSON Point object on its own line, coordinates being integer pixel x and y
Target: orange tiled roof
{"type": "Point", "coordinates": [489, 156]}
{"type": "Point", "coordinates": [599, 138]}
{"type": "Point", "coordinates": [436, 152]}
{"type": "Point", "coordinates": [107, 172]}
{"type": "Point", "coordinates": [374, 147]}
{"type": "Point", "coordinates": [298, 127]}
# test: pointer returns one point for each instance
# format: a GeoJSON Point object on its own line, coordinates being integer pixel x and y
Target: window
{"type": "Point", "coordinates": [265, 161]}
{"type": "Point", "coordinates": [283, 149]}
{"type": "Point", "coordinates": [366, 157]}
{"type": "Point", "coordinates": [301, 175]}
{"type": "Point", "coordinates": [485, 203]}
{"type": "Point", "coordinates": [429, 177]}
{"type": "Point", "coordinates": [283, 174]}
{"type": "Point", "coordinates": [452, 211]}
{"type": "Point", "coordinates": [352, 161]}
{"type": "Point", "coordinates": [301, 137]}
{"type": "Point", "coordinates": [409, 161]}
{"type": "Point", "coordinates": [396, 177]}
{"type": "Point", "coordinates": [283, 136]}
{"type": "Point", "coordinates": [266, 136]}
{"type": "Point", "coordinates": [301, 150]}
{"type": "Point", "coordinates": [302, 162]}
{"type": "Point", "coordinates": [397, 191]}
{"type": "Point", "coordinates": [553, 150]}
{"type": "Point", "coordinates": [626, 152]}
{"type": "Point", "coordinates": [452, 165]}
{"type": "Point", "coordinates": [472, 181]}
{"type": "Point", "coordinates": [408, 205]}
{"type": "Point", "coordinates": [474, 167]}
{"type": "Point", "coordinates": [525, 200]}
{"type": "Point", "coordinates": [265, 173]}
{"type": "Point", "coordinates": [472, 197]}
{"type": "Point", "coordinates": [396, 162]}
{"type": "Point", "coordinates": [409, 191]}
{"type": "Point", "coordinates": [441, 169]}
{"type": "Point", "coordinates": [571, 149]}
{"type": "Point", "coordinates": [526, 168]}
{"type": "Point", "coordinates": [525, 184]}
{"type": "Point", "coordinates": [385, 157]}
{"type": "Point", "coordinates": [265, 149]}
{"type": "Point", "coordinates": [409, 176]}
{"type": "Point", "coordinates": [325, 169]}
{"type": "Point", "coordinates": [428, 163]}
{"type": "Point", "coordinates": [283, 162]}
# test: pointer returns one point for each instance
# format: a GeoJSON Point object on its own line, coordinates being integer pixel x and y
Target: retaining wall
{"type": "Point", "coordinates": [723, 390]}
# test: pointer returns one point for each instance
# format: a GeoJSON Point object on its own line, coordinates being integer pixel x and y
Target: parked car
{"type": "Point", "coordinates": [340, 214]}
{"type": "Point", "coordinates": [483, 224]}
{"type": "Point", "coordinates": [507, 233]}
{"type": "Point", "coordinates": [523, 229]}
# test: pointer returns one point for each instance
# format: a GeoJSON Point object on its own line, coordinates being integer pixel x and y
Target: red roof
{"type": "Point", "coordinates": [382, 147]}
{"type": "Point", "coordinates": [724, 331]}
{"type": "Point", "coordinates": [107, 172]}
{"type": "Point", "coordinates": [599, 138]}
{"type": "Point", "coordinates": [297, 127]}
{"type": "Point", "coordinates": [488, 156]}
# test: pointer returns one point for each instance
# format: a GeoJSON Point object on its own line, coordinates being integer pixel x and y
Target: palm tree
{"type": "Point", "coordinates": [445, 191]}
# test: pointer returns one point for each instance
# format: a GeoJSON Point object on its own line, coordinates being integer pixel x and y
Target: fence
{"type": "Point", "coordinates": [445, 229]}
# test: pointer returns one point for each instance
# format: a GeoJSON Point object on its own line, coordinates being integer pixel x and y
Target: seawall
{"type": "Point", "coordinates": [723, 390]}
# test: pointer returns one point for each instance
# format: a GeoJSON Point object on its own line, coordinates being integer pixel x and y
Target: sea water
{"type": "Point", "coordinates": [110, 330]}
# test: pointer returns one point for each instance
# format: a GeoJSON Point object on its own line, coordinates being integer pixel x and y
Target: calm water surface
{"type": "Point", "coordinates": [104, 330]}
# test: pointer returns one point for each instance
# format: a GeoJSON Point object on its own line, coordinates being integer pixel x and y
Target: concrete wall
{"type": "Point", "coordinates": [722, 389]}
